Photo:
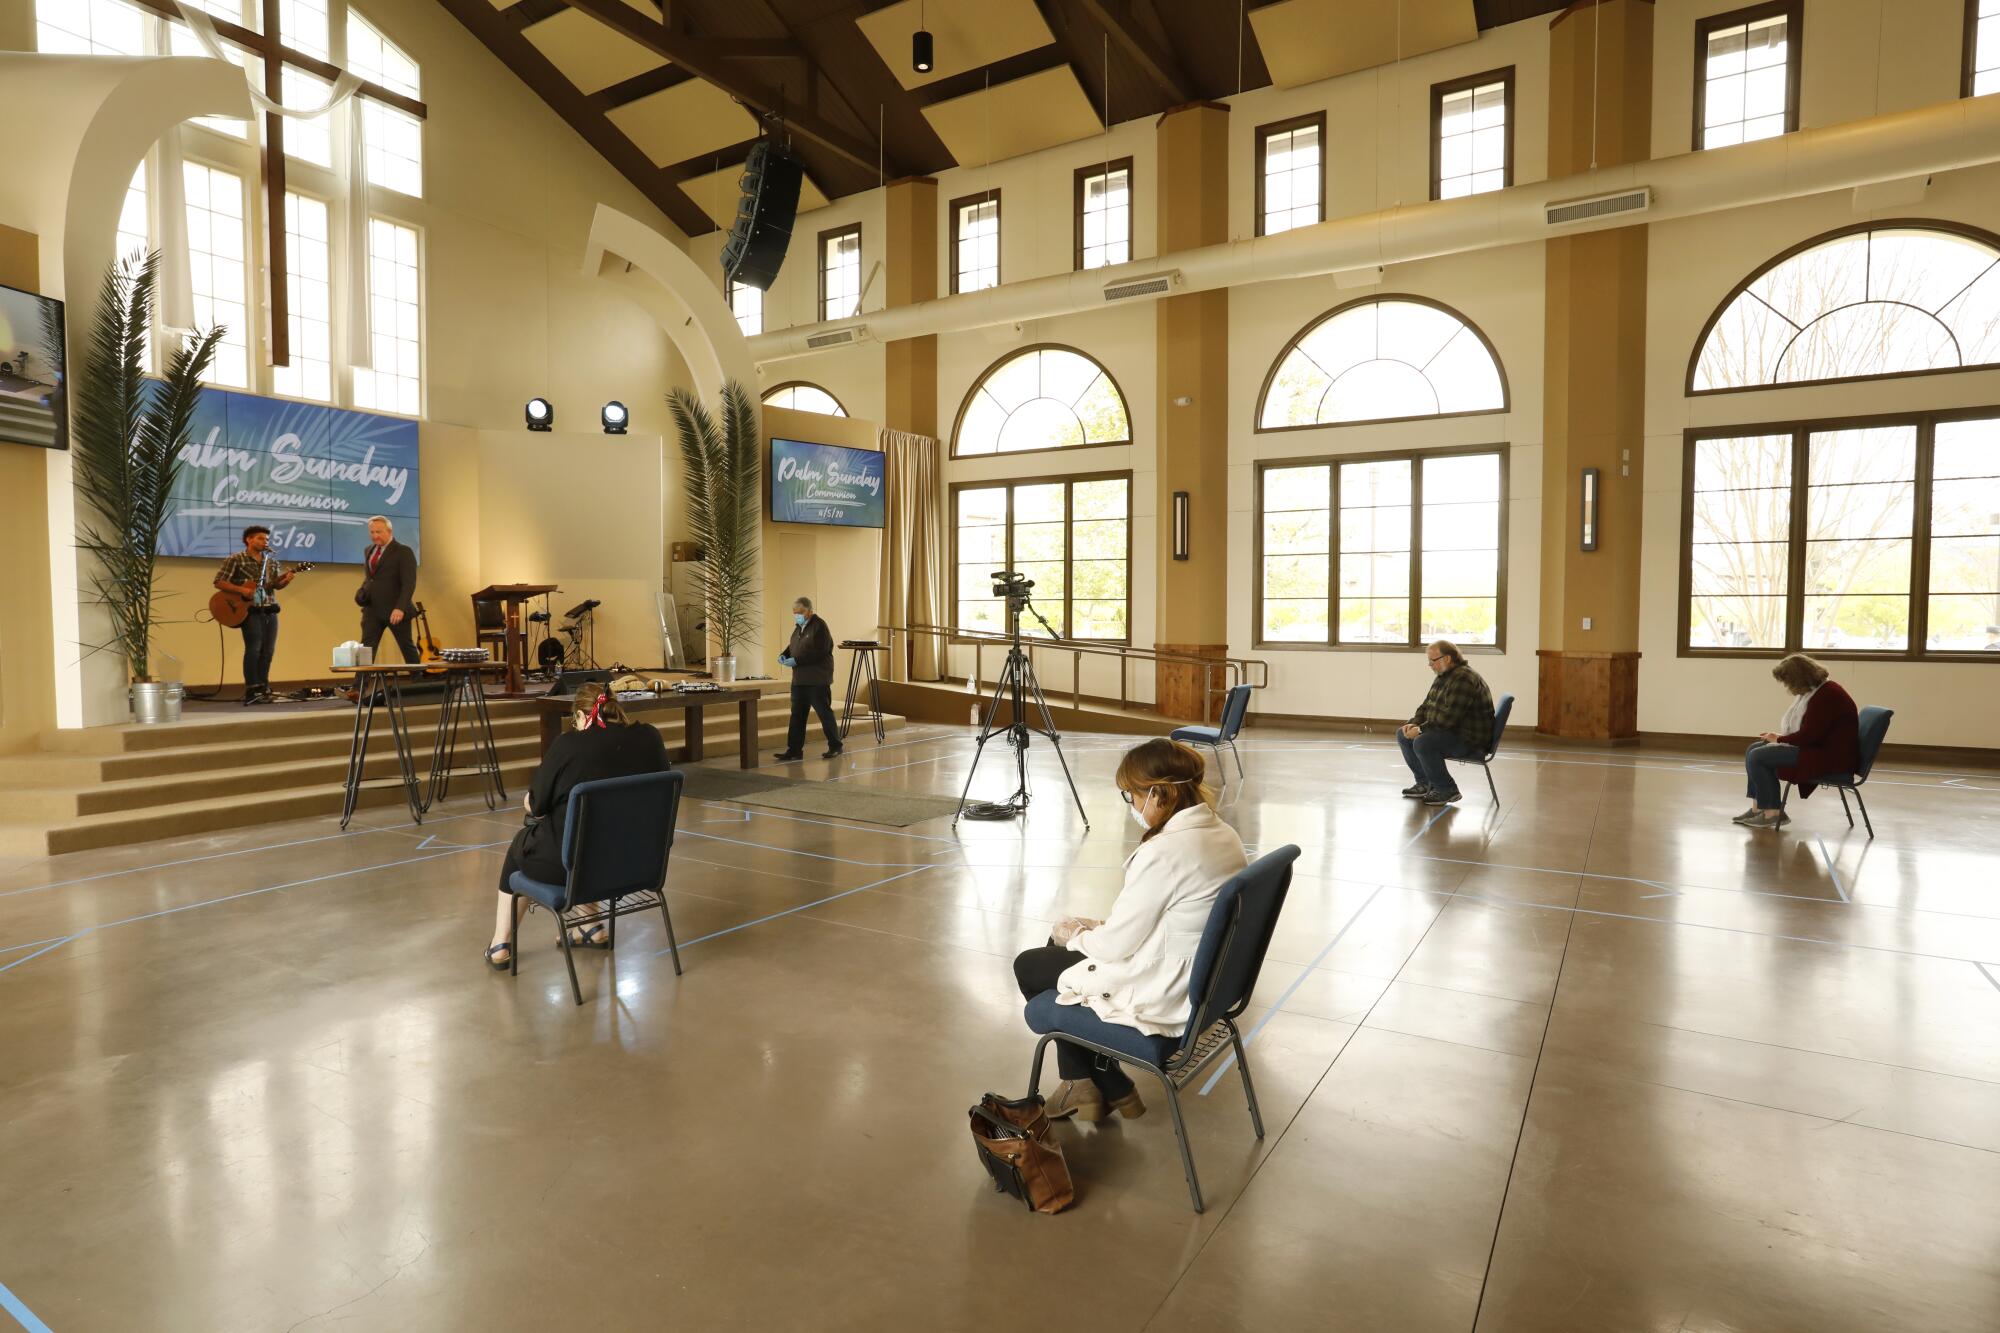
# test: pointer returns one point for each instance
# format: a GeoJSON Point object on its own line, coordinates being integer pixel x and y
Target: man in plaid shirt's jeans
{"type": "Point", "coordinates": [1455, 721]}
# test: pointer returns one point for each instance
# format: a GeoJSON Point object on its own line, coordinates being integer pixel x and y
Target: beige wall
{"type": "Point", "coordinates": [840, 569]}
{"type": "Point", "coordinates": [27, 688]}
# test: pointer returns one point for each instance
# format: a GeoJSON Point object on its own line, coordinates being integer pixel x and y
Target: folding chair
{"type": "Point", "coordinates": [1485, 761]}
{"type": "Point", "coordinates": [1234, 707]}
{"type": "Point", "coordinates": [1226, 964]}
{"type": "Point", "coordinates": [616, 838]}
{"type": "Point", "coordinates": [1872, 727]}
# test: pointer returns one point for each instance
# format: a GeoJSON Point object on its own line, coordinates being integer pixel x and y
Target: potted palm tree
{"type": "Point", "coordinates": [719, 466]}
{"type": "Point", "coordinates": [128, 439]}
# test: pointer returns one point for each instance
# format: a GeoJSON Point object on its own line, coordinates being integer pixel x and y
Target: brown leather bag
{"type": "Point", "coordinates": [1020, 1153]}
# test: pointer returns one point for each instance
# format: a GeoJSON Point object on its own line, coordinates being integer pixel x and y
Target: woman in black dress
{"type": "Point", "coordinates": [605, 743]}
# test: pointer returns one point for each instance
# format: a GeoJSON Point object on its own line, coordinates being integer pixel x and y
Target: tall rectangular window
{"type": "Point", "coordinates": [1963, 611]}
{"type": "Point", "coordinates": [1291, 179]}
{"type": "Point", "coordinates": [1472, 134]}
{"type": "Point", "coordinates": [394, 382]}
{"type": "Point", "coordinates": [840, 272]}
{"type": "Point", "coordinates": [1104, 213]}
{"type": "Point", "coordinates": [747, 304]}
{"type": "Point", "coordinates": [1746, 81]}
{"type": "Point", "coordinates": [975, 242]}
{"type": "Point", "coordinates": [135, 228]}
{"type": "Point", "coordinates": [393, 139]}
{"type": "Point", "coordinates": [1071, 535]}
{"type": "Point", "coordinates": [1982, 47]}
{"type": "Point", "coordinates": [1387, 550]}
{"type": "Point", "coordinates": [217, 242]}
{"type": "Point", "coordinates": [302, 25]}
{"type": "Point", "coordinates": [1819, 537]}
{"type": "Point", "coordinates": [181, 41]}
{"type": "Point", "coordinates": [90, 28]}
{"type": "Point", "coordinates": [1741, 505]}
{"type": "Point", "coordinates": [308, 304]}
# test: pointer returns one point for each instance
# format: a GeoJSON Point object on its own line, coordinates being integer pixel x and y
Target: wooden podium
{"type": "Point", "coordinates": [511, 595]}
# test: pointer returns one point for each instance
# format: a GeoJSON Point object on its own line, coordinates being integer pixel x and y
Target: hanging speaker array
{"type": "Point", "coordinates": [769, 205]}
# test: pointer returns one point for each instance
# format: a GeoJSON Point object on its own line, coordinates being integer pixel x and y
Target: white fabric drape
{"type": "Point", "coordinates": [203, 28]}
{"type": "Point", "coordinates": [913, 551]}
{"type": "Point", "coordinates": [176, 287]}
{"type": "Point", "coordinates": [354, 172]}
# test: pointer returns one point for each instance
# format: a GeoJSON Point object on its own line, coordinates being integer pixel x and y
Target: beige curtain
{"type": "Point", "coordinates": [914, 552]}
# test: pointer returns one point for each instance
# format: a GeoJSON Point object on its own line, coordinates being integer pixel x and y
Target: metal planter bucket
{"type": "Point", "coordinates": [723, 669]}
{"type": "Point", "coordinates": [156, 701]}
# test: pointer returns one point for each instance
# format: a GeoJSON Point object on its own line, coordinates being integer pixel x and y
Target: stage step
{"type": "Point", "coordinates": [112, 786]}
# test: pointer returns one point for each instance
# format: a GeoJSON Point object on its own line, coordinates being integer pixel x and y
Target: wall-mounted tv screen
{"type": "Point", "coordinates": [826, 484]}
{"type": "Point", "coordinates": [33, 406]}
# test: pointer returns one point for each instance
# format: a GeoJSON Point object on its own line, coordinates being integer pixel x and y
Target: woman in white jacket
{"type": "Point", "coordinates": [1133, 968]}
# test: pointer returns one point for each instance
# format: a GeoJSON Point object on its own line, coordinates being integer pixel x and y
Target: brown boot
{"type": "Point", "coordinates": [1128, 1106]}
{"type": "Point", "coordinates": [1075, 1097]}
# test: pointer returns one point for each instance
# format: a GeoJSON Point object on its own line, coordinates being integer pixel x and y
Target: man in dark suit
{"type": "Point", "coordinates": [810, 656]}
{"type": "Point", "coordinates": [385, 591]}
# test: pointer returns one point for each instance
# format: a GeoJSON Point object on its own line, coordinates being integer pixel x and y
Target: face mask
{"type": "Point", "coordinates": [1139, 816]}
{"type": "Point", "coordinates": [798, 619]}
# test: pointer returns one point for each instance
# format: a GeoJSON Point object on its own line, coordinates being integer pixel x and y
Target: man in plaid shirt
{"type": "Point", "coordinates": [1455, 721]}
{"type": "Point", "coordinates": [252, 573]}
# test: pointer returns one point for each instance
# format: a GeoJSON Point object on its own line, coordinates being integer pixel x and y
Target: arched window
{"type": "Point", "coordinates": [1387, 358]}
{"type": "Point", "coordinates": [1896, 299]}
{"type": "Point", "coordinates": [1041, 398]}
{"type": "Point", "coordinates": [803, 397]}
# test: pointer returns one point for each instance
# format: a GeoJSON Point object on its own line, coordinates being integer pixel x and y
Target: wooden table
{"type": "Point", "coordinates": [381, 687]}
{"type": "Point", "coordinates": [511, 595]}
{"type": "Point", "coordinates": [555, 708]}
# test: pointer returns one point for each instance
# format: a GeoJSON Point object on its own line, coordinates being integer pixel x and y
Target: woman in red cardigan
{"type": "Point", "coordinates": [1821, 735]}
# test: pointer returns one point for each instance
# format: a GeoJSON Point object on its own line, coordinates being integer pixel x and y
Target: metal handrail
{"type": "Point", "coordinates": [1234, 671]}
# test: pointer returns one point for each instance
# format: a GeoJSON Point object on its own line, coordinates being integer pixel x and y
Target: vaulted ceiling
{"type": "Point", "coordinates": [673, 93]}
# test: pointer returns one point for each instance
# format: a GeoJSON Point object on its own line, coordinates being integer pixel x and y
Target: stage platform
{"type": "Point", "coordinates": [226, 766]}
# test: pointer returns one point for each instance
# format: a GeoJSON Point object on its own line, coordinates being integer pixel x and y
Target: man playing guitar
{"type": "Point", "coordinates": [251, 573]}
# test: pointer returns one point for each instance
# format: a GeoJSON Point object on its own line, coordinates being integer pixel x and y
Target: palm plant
{"type": "Point", "coordinates": [720, 466]}
{"type": "Point", "coordinates": [128, 438]}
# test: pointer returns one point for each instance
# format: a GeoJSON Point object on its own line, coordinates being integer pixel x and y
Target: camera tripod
{"type": "Point", "coordinates": [1017, 684]}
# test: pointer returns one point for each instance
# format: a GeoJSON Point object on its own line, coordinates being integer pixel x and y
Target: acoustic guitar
{"type": "Point", "coordinates": [231, 609]}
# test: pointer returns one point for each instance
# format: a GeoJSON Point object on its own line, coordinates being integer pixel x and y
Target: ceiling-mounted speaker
{"type": "Point", "coordinates": [762, 231]}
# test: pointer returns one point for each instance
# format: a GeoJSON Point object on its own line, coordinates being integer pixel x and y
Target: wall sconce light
{"type": "Point", "coordinates": [1587, 541]}
{"type": "Point", "coordinates": [1180, 525]}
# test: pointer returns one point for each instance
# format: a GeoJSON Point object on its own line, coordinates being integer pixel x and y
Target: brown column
{"type": "Point", "coordinates": [910, 274]}
{"type": "Point", "coordinates": [1192, 412]}
{"type": "Point", "coordinates": [1594, 383]}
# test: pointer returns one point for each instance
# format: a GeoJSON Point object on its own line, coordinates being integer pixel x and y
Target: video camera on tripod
{"type": "Point", "coordinates": [1019, 688]}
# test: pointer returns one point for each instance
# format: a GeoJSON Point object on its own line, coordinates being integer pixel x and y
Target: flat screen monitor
{"type": "Point", "coordinates": [826, 484]}
{"type": "Point", "coordinates": [34, 408]}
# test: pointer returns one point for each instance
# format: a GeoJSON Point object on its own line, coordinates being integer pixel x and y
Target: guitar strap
{"type": "Point", "coordinates": [263, 596]}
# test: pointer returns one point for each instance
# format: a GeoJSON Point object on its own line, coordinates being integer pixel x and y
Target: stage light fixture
{"type": "Point", "coordinates": [541, 414]}
{"type": "Point", "coordinates": [920, 45]}
{"type": "Point", "coordinates": [614, 417]}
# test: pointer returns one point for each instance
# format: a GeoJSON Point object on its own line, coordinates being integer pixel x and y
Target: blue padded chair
{"type": "Point", "coordinates": [1871, 728]}
{"type": "Point", "coordinates": [1485, 761]}
{"type": "Point", "coordinates": [1233, 709]}
{"type": "Point", "coordinates": [616, 838]}
{"type": "Point", "coordinates": [1225, 973]}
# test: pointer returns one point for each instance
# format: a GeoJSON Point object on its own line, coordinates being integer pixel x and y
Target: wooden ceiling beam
{"type": "Point", "coordinates": [1156, 61]}
{"type": "Point", "coordinates": [717, 61]}
{"type": "Point", "coordinates": [497, 35]}
{"type": "Point", "coordinates": [638, 86]}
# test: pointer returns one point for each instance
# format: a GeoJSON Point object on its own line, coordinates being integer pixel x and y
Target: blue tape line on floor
{"type": "Point", "coordinates": [22, 1314]}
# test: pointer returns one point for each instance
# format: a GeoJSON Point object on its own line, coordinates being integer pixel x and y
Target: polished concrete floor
{"type": "Point", "coordinates": [1592, 1059]}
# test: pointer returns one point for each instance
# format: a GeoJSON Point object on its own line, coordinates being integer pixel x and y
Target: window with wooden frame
{"type": "Point", "coordinates": [1472, 134]}
{"type": "Point", "coordinates": [1982, 48]}
{"type": "Point", "coordinates": [1104, 213]}
{"type": "Point", "coordinates": [1850, 537]}
{"type": "Point", "coordinates": [975, 242]}
{"type": "Point", "coordinates": [1071, 535]}
{"type": "Point", "coordinates": [1291, 174]}
{"type": "Point", "coordinates": [747, 304]}
{"type": "Point", "coordinates": [1746, 74]}
{"type": "Point", "coordinates": [1043, 397]}
{"type": "Point", "coordinates": [1382, 551]}
{"type": "Point", "coordinates": [840, 272]}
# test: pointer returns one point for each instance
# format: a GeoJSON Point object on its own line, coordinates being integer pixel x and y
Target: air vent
{"type": "Point", "coordinates": [1602, 205]}
{"type": "Point", "coordinates": [1151, 284]}
{"type": "Point", "coordinates": [853, 333]}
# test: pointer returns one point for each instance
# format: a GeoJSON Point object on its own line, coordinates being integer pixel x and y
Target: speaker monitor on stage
{"type": "Point", "coordinates": [765, 213]}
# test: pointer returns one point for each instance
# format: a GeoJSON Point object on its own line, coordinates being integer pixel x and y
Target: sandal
{"type": "Point", "coordinates": [593, 937]}
{"type": "Point", "coordinates": [498, 963]}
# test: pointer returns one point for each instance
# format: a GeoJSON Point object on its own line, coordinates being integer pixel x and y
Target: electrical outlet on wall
{"type": "Point", "coordinates": [1586, 622]}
